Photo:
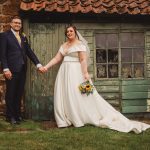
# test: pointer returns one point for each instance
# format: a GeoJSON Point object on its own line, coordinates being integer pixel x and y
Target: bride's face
{"type": "Point", "coordinates": [71, 33]}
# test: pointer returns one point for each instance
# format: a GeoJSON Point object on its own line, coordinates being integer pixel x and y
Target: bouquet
{"type": "Point", "coordinates": [86, 88]}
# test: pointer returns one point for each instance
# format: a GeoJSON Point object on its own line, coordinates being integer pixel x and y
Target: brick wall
{"type": "Point", "coordinates": [8, 8]}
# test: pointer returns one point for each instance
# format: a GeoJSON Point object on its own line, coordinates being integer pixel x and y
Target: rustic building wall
{"type": "Point", "coordinates": [8, 8]}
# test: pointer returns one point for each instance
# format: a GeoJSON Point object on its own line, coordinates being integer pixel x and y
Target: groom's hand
{"type": "Point", "coordinates": [42, 69]}
{"type": "Point", "coordinates": [8, 74]}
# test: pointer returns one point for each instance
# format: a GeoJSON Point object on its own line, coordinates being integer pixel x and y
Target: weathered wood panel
{"type": "Point", "coordinates": [135, 88]}
{"type": "Point", "coordinates": [147, 47]}
{"type": "Point", "coordinates": [107, 82]}
{"type": "Point", "coordinates": [110, 96]}
{"type": "Point", "coordinates": [45, 41]}
{"type": "Point", "coordinates": [108, 88]}
{"type": "Point", "coordinates": [134, 102]}
{"type": "Point", "coordinates": [136, 82]}
{"type": "Point", "coordinates": [135, 95]}
{"type": "Point", "coordinates": [135, 109]}
{"type": "Point", "coordinates": [111, 26]}
{"type": "Point", "coordinates": [40, 108]}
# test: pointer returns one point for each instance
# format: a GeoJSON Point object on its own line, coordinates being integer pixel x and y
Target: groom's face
{"type": "Point", "coordinates": [16, 24]}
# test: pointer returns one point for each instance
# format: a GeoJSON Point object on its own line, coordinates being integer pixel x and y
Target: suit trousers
{"type": "Point", "coordinates": [14, 93]}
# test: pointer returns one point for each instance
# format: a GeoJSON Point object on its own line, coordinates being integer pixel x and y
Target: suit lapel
{"type": "Point", "coordinates": [22, 39]}
{"type": "Point", "coordinates": [14, 38]}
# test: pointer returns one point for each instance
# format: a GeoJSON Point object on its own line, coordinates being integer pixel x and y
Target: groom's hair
{"type": "Point", "coordinates": [16, 17]}
{"type": "Point", "coordinates": [74, 28]}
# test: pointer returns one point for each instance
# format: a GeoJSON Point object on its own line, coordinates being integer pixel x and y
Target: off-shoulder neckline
{"type": "Point", "coordinates": [69, 49]}
{"type": "Point", "coordinates": [75, 44]}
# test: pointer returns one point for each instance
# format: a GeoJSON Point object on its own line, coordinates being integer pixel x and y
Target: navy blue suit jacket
{"type": "Point", "coordinates": [13, 55]}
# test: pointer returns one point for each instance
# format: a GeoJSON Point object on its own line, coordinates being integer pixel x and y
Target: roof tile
{"type": "Point", "coordinates": [85, 6]}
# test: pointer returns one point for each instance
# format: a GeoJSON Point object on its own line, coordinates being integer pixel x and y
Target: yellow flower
{"type": "Point", "coordinates": [24, 35]}
{"type": "Point", "coordinates": [88, 87]}
{"type": "Point", "coordinates": [80, 88]}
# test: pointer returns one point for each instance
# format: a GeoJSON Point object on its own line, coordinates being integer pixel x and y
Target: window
{"type": "Point", "coordinates": [126, 47]}
{"type": "Point", "coordinates": [132, 55]}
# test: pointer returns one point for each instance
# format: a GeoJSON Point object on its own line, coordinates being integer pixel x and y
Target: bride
{"type": "Point", "coordinates": [73, 108]}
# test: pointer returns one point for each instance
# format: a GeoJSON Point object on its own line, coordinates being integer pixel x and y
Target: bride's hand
{"type": "Point", "coordinates": [86, 76]}
{"type": "Point", "coordinates": [46, 69]}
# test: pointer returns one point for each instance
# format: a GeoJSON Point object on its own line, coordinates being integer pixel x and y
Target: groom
{"type": "Point", "coordinates": [14, 49]}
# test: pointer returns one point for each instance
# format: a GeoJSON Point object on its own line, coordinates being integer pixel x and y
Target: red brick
{"type": "Point", "coordinates": [1, 27]}
{"type": "Point", "coordinates": [16, 2]}
{"type": "Point", "coordinates": [5, 19]}
{"type": "Point", "coordinates": [2, 1]}
{"type": "Point", "coordinates": [6, 27]}
{"type": "Point", "coordinates": [10, 10]}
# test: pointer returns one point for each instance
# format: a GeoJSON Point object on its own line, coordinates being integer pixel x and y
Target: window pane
{"type": "Point", "coordinates": [132, 39]}
{"type": "Point", "coordinates": [108, 46]}
{"type": "Point", "coordinates": [112, 71]}
{"type": "Point", "coordinates": [138, 55]}
{"type": "Point", "coordinates": [101, 56]}
{"type": "Point", "coordinates": [112, 55]}
{"type": "Point", "coordinates": [126, 71]}
{"type": "Point", "coordinates": [126, 55]}
{"type": "Point", "coordinates": [101, 41]}
{"type": "Point", "coordinates": [101, 71]}
{"type": "Point", "coordinates": [138, 70]}
{"type": "Point", "coordinates": [112, 40]}
{"type": "Point", "coordinates": [126, 39]}
{"type": "Point", "coordinates": [138, 39]}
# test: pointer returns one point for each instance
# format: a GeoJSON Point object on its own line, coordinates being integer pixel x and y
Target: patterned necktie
{"type": "Point", "coordinates": [18, 38]}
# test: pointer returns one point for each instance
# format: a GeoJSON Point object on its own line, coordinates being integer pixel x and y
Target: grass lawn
{"type": "Point", "coordinates": [37, 136]}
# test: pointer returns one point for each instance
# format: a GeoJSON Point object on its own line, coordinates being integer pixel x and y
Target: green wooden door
{"type": "Point", "coordinates": [136, 96]}
{"type": "Point", "coordinates": [45, 40]}
{"type": "Point", "coordinates": [136, 93]}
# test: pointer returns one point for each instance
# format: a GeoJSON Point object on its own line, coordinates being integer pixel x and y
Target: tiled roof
{"type": "Point", "coordinates": [89, 6]}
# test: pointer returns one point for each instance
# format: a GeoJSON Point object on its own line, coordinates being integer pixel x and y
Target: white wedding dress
{"type": "Point", "coordinates": [73, 108]}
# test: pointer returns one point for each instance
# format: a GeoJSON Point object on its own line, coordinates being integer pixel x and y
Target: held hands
{"type": "Point", "coordinates": [8, 74]}
{"type": "Point", "coordinates": [42, 69]}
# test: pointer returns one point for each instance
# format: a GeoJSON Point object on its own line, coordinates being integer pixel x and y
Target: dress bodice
{"type": "Point", "coordinates": [73, 50]}
{"type": "Point", "coordinates": [71, 54]}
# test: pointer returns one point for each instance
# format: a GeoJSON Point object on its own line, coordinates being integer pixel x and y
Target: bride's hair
{"type": "Point", "coordinates": [74, 28]}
